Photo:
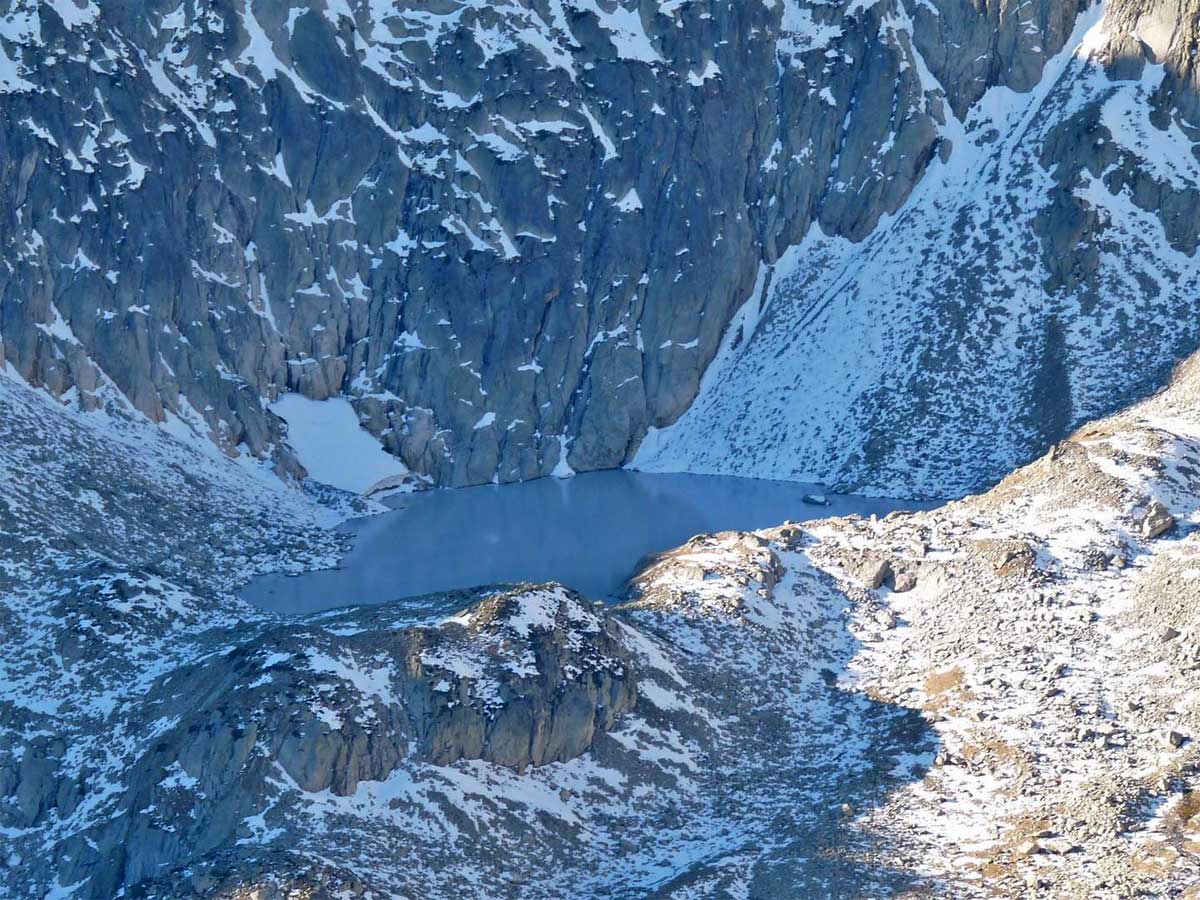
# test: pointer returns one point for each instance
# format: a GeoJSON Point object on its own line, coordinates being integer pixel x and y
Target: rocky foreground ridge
{"type": "Point", "coordinates": [994, 698]}
{"type": "Point", "coordinates": [516, 234]}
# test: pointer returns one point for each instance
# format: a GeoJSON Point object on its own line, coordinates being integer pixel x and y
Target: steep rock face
{"type": "Point", "coordinates": [526, 678]}
{"type": "Point", "coordinates": [514, 233]}
{"type": "Point", "coordinates": [522, 677]}
{"type": "Point", "coordinates": [1043, 273]}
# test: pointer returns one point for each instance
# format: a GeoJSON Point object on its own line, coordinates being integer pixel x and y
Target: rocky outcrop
{"type": "Point", "coordinates": [521, 678]}
{"type": "Point", "coordinates": [149, 720]}
{"type": "Point", "coordinates": [733, 575]}
{"type": "Point", "coordinates": [514, 234]}
{"type": "Point", "coordinates": [524, 678]}
{"type": "Point", "coordinates": [278, 875]}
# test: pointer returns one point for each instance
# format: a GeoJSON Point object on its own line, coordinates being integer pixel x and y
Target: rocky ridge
{"type": "Point", "coordinates": [1045, 632]}
{"type": "Point", "coordinates": [1043, 274]}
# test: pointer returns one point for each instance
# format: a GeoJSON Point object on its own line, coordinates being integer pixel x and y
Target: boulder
{"type": "Point", "coordinates": [1156, 522]}
{"type": "Point", "coordinates": [872, 572]}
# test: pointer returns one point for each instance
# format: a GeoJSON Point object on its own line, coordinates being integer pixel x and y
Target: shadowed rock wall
{"type": "Point", "coordinates": [514, 233]}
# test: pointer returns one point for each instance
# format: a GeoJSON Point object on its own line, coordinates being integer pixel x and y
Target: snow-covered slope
{"type": "Point", "coordinates": [1043, 272]}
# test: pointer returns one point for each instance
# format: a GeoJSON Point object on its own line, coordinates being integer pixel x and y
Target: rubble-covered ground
{"type": "Point", "coordinates": [1044, 634]}
{"type": "Point", "coordinates": [989, 699]}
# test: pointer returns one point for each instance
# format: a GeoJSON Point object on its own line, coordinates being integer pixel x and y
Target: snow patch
{"type": "Point", "coordinates": [331, 444]}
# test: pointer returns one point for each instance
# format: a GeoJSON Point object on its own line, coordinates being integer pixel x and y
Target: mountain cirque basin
{"type": "Point", "coordinates": [897, 246]}
{"type": "Point", "coordinates": [590, 532]}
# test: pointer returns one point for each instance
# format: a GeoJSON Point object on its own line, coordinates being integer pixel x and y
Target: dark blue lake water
{"type": "Point", "coordinates": [588, 532]}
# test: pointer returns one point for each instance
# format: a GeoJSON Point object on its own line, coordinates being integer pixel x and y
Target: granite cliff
{"type": "Point", "coordinates": [516, 234]}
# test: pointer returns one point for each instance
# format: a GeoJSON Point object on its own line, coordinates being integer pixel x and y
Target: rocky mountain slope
{"type": "Point", "coordinates": [515, 233]}
{"type": "Point", "coordinates": [803, 711]}
{"type": "Point", "coordinates": [1043, 273]}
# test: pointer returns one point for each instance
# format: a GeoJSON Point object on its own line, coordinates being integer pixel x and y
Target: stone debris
{"type": "Point", "coordinates": [1157, 522]}
{"type": "Point", "coordinates": [873, 573]}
